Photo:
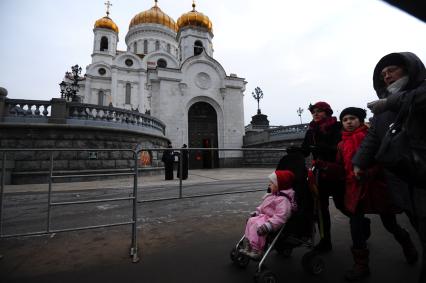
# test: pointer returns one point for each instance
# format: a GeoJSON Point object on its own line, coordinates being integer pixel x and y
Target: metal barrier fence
{"type": "Point", "coordinates": [50, 204]}
{"type": "Point", "coordinates": [133, 197]}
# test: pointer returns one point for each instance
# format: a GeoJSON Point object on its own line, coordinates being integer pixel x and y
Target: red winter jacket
{"type": "Point", "coordinates": [370, 194]}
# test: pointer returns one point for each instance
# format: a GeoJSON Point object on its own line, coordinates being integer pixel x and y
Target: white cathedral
{"type": "Point", "coordinates": [168, 71]}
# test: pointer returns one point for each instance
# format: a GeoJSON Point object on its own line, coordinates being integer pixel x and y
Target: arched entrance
{"type": "Point", "coordinates": [202, 133]}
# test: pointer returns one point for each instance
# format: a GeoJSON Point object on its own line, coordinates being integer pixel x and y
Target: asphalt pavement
{"type": "Point", "coordinates": [180, 240]}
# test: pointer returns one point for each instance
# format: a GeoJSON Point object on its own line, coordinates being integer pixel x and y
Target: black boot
{"type": "Point", "coordinates": [323, 246]}
{"type": "Point", "coordinates": [360, 269]}
{"type": "Point", "coordinates": [410, 251]}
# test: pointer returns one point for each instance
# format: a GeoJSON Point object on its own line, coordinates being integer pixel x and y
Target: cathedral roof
{"type": "Point", "coordinates": [194, 18]}
{"type": "Point", "coordinates": [155, 16]}
{"type": "Point", "coordinates": [106, 22]}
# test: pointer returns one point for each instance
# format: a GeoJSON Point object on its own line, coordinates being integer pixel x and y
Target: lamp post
{"type": "Point", "coordinates": [299, 113]}
{"type": "Point", "coordinates": [258, 95]}
{"type": "Point", "coordinates": [69, 90]}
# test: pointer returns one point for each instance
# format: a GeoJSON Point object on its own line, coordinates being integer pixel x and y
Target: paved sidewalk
{"type": "Point", "coordinates": [185, 240]}
{"type": "Point", "coordinates": [198, 176]}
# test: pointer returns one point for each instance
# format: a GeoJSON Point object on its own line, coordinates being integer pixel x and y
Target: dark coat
{"type": "Point", "coordinates": [380, 122]}
{"type": "Point", "coordinates": [168, 159]}
{"type": "Point", "coordinates": [322, 144]}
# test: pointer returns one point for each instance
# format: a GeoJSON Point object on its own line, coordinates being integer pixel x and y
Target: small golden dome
{"type": "Point", "coordinates": [154, 16]}
{"type": "Point", "coordinates": [194, 18]}
{"type": "Point", "coordinates": [107, 23]}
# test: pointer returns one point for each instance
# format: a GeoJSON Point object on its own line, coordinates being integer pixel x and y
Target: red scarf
{"type": "Point", "coordinates": [324, 125]}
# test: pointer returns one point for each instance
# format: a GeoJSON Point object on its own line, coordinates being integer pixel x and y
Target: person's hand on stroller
{"type": "Point", "coordinates": [264, 229]}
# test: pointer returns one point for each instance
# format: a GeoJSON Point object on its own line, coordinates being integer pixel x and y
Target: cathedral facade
{"type": "Point", "coordinates": [168, 71]}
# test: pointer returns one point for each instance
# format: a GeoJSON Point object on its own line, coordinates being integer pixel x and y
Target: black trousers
{"type": "Point", "coordinates": [336, 190]}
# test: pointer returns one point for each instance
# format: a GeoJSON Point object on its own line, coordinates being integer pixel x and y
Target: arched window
{"type": "Point", "coordinates": [135, 47]}
{"type": "Point", "coordinates": [157, 45]}
{"type": "Point", "coordinates": [104, 43]}
{"type": "Point", "coordinates": [101, 96]}
{"type": "Point", "coordinates": [198, 48]}
{"type": "Point", "coordinates": [128, 93]}
{"type": "Point", "coordinates": [168, 47]}
{"type": "Point", "coordinates": [161, 63]}
{"type": "Point", "coordinates": [145, 46]}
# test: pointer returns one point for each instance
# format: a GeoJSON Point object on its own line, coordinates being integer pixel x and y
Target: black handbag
{"type": "Point", "coordinates": [399, 153]}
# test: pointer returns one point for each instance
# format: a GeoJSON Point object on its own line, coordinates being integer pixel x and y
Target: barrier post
{"type": "Point", "coordinates": [49, 194]}
{"type": "Point", "coordinates": [134, 247]}
{"type": "Point", "coordinates": [180, 169]}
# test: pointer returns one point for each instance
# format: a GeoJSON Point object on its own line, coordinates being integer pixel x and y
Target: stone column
{"type": "Point", "coordinates": [58, 110]}
{"type": "Point", "coordinates": [3, 94]}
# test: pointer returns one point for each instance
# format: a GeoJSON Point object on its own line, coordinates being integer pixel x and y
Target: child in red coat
{"type": "Point", "coordinates": [367, 194]}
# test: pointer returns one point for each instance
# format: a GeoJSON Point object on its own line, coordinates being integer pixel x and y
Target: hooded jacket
{"type": "Point", "coordinates": [380, 122]}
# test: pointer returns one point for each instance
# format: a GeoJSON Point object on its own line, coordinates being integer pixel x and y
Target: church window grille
{"type": "Point", "coordinates": [145, 46]}
{"type": "Point", "coordinates": [104, 43]}
{"type": "Point", "coordinates": [128, 93]}
{"type": "Point", "coordinates": [101, 96]}
{"type": "Point", "coordinates": [198, 48]}
{"type": "Point", "coordinates": [157, 45]}
{"type": "Point", "coordinates": [162, 63]}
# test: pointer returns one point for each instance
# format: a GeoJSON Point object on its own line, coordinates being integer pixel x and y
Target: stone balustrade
{"type": "Point", "coordinates": [58, 111]}
{"type": "Point", "coordinates": [58, 124]}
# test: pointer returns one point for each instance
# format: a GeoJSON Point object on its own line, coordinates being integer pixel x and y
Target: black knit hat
{"type": "Point", "coordinates": [358, 112]}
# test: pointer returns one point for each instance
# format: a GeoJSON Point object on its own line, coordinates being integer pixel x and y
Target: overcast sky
{"type": "Point", "coordinates": [297, 52]}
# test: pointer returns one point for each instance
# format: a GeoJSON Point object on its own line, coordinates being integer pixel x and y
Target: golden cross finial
{"type": "Point", "coordinates": [107, 4]}
{"type": "Point", "coordinates": [193, 5]}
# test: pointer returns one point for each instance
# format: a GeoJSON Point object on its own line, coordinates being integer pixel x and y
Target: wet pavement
{"type": "Point", "coordinates": [185, 240]}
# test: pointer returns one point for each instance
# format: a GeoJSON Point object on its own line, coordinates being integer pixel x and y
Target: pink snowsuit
{"type": "Point", "coordinates": [275, 209]}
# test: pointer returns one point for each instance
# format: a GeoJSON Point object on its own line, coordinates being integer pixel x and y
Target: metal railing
{"type": "Point", "coordinates": [50, 204]}
{"type": "Point", "coordinates": [133, 197]}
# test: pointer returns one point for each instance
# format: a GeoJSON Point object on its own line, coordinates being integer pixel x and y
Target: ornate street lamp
{"type": "Point", "coordinates": [258, 95]}
{"type": "Point", "coordinates": [70, 89]}
{"type": "Point", "coordinates": [299, 112]}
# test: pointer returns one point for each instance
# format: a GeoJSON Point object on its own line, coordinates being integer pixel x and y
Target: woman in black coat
{"type": "Point", "coordinates": [168, 159]}
{"type": "Point", "coordinates": [321, 141]}
{"type": "Point", "coordinates": [396, 77]}
{"type": "Point", "coordinates": [183, 159]}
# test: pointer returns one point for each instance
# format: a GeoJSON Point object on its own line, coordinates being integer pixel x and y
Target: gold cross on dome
{"type": "Point", "coordinates": [107, 4]}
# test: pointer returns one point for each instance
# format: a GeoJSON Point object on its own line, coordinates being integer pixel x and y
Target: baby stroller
{"type": "Point", "coordinates": [299, 231]}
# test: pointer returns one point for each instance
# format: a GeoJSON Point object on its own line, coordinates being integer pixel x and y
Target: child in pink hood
{"type": "Point", "coordinates": [272, 213]}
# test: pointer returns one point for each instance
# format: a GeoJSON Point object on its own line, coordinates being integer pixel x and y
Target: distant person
{"type": "Point", "coordinates": [184, 156]}
{"type": "Point", "coordinates": [367, 193]}
{"type": "Point", "coordinates": [398, 78]}
{"type": "Point", "coordinates": [168, 159]}
{"type": "Point", "coordinates": [321, 139]}
{"type": "Point", "coordinates": [271, 214]}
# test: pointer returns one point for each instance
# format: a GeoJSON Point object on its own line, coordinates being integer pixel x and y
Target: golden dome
{"type": "Point", "coordinates": [194, 18]}
{"type": "Point", "coordinates": [154, 16]}
{"type": "Point", "coordinates": [107, 23]}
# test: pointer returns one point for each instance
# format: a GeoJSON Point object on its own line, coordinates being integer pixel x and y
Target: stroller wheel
{"type": "Point", "coordinates": [312, 263]}
{"type": "Point", "coordinates": [265, 276]}
{"type": "Point", "coordinates": [239, 259]}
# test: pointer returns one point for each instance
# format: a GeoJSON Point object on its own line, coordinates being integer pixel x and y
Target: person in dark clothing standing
{"type": "Point", "coordinates": [397, 78]}
{"type": "Point", "coordinates": [184, 156]}
{"type": "Point", "coordinates": [168, 159]}
{"type": "Point", "coordinates": [321, 139]}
